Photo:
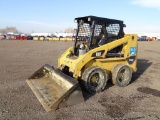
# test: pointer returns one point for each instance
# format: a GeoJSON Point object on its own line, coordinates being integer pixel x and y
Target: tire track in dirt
{"type": "Point", "coordinates": [119, 106]}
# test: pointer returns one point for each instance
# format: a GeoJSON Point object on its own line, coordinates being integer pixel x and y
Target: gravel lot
{"type": "Point", "coordinates": [20, 59]}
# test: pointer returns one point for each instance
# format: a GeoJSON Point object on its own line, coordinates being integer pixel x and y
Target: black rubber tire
{"type": "Point", "coordinates": [101, 82]}
{"type": "Point", "coordinates": [126, 77]}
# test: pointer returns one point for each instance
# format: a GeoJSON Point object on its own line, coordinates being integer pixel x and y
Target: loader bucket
{"type": "Point", "coordinates": [54, 89]}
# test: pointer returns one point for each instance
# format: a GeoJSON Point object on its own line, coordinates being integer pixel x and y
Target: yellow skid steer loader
{"type": "Point", "coordinates": [101, 52]}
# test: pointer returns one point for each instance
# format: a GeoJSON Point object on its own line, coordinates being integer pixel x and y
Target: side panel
{"type": "Point", "coordinates": [132, 49]}
{"type": "Point", "coordinates": [129, 42]}
{"type": "Point", "coordinates": [78, 64]}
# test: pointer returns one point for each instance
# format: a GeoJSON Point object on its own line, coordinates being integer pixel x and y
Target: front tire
{"type": "Point", "coordinates": [121, 75]}
{"type": "Point", "coordinates": [94, 79]}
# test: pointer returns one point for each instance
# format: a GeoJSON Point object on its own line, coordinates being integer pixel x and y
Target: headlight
{"type": "Point", "coordinates": [75, 21]}
{"type": "Point", "coordinates": [89, 19]}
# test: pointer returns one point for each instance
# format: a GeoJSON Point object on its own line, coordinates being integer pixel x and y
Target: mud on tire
{"type": "Point", "coordinates": [121, 75]}
{"type": "Point", "coordinates": [94, 79]}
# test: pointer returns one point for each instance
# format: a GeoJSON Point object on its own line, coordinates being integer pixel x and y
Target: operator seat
{"type": "Point", "coordinates": [102, 41]}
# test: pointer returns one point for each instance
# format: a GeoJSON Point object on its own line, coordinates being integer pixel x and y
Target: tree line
{"type": "Point", "coordinates": [15, 30]}
{"type": "Point", "coordinates": [9, 29]}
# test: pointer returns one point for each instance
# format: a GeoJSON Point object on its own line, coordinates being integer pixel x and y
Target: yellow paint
{"type": "Point", "coordinates": [77, 65]}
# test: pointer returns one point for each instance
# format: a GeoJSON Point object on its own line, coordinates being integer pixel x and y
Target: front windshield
{"type": "Point", "coordinates": [84, 33]}
{"type": "Point", "coordinates": [107, 32]}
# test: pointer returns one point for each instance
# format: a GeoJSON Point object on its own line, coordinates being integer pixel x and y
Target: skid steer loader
{"type": "Point", "coordinates": [101, 52]}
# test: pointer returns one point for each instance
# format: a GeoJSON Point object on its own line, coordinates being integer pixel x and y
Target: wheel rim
{"type": "Point", "coordinates": [94, 81]}
{"type": "Point", "coordinates": [123, 75]}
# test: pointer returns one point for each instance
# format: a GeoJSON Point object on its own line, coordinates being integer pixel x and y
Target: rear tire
{"type": "Point", "coordinates": [121, 75]}
{"type": "Point", "coordinates": [94, 79]}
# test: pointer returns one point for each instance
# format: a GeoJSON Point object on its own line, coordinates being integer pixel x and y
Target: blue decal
{"type": "Point", "coordinates": [133, 50]}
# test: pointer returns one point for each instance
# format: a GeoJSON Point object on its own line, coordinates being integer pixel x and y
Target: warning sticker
{"type": "Point", "coordinates": [133, 51]}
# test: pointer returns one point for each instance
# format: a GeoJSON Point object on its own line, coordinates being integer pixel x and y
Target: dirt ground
{"type": "Point", "coordinates": [20, 59]}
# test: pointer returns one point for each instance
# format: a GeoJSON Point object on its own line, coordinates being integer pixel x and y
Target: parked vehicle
{"type": "Point", "coordinates": [142, 38]}
{"type": "Point", "coordinates": [12, 37]}
{"type": "Point", "coordinates": [5, 36]}
{"type": "Point", "coordinates": [55, 38]}
{"type": "Point", "coordinates": [154, 38]}
{"type": "Point", "coordinates": [8, 35]}
{"type": "Point", "coordinates": [30, 37]}
{"type": "Point", "coordinates": [41, 38]}
{"type": "Point", "coordinates": [24, 37]}
{"type": "Point", "coordinates": [1, 37]}
{"type": "Point", "coordinates": [18, 37]}
{"type": "Point", "coordinates": [48, 38]}
{"type": "Point", "coordinates": [35, 37]}
{"type": "Point", "coordinates": [150, 39]}
{"type": "Point", "coordinates": [158, 37]}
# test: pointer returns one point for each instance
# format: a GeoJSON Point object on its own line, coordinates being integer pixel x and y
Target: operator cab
{"type": "Point", "coordinates": [95, 31]}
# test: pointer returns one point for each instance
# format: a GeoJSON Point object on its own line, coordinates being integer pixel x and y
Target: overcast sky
{"type": "Point", "coordinates": [56, 15]}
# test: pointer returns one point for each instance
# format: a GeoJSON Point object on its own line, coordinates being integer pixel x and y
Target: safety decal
{"type": "Point", "coordinates": [133, 51]}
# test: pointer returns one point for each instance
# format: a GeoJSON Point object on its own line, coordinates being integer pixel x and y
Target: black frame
{"type": "Point", "coordinates": [92, 21]}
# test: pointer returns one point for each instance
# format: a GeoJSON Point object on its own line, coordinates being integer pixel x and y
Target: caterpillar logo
{"type": "Point", "coordinates": [98, 53]}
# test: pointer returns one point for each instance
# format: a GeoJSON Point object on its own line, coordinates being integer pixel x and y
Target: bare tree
{"type": "Point", "coordinates": [9, 29]}
{"type": "Point", "coordinates": [69, 30]}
